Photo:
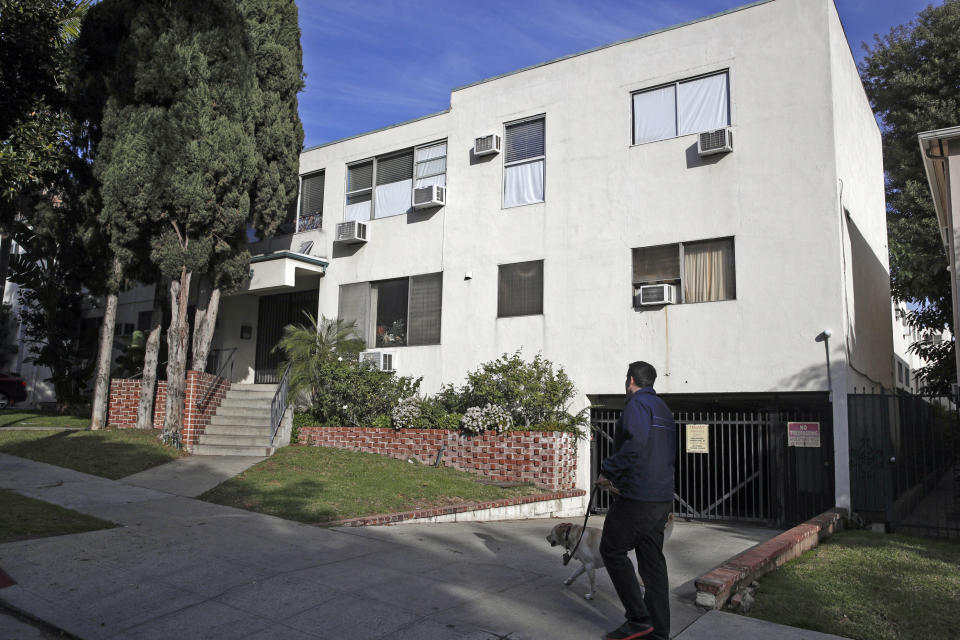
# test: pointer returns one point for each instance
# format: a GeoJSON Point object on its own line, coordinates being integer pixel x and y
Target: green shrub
{"type": "Point", "coordinates": [532, 393]}
{"type": "Point", "coordinates": [449, 421]}
{"type": "Point", "coordinates": [300, 419]}
{"type": "Point", "coordinates": [382, 422]}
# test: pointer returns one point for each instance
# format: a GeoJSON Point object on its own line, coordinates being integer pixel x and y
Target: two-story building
{"type": "Point", "coordinates": [707, 197]}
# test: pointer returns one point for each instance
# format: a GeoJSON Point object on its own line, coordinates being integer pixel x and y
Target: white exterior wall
{"type": "Point", "coordinates": [777, 194]}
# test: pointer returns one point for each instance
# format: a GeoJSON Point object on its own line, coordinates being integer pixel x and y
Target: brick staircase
{"type": "Point", "coordinates": [241, 426]}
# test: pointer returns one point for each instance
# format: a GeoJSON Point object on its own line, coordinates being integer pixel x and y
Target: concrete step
{"type": "Point", "coordinates": [243, 403]}
{"type": "Point", "coordinates": [244, 412]}
{"type": "Point", "coordinates": [237, 441]}
{"type": "Point", "coordinates": [233, 430]}
{"type": "Point", "coordinates": [240, 394]}
{"type": "Point", "coordinates": [229, 450]}
{"type": "Point", "coordinates": [238, 421]}
{"type": "Point", "coordinates": [254, 387]}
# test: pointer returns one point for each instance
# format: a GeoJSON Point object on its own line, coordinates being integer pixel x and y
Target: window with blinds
{"type": "Point", "coordinates": [359, 191]}
{"type": "Point", "coordinates": [395, 313]}
{"type": "Point", "coordinates": [524, 162]}
{"type": "Point", "coordinates": [311, 201]}
{"type": "Point", "coordinates": [520, 289]}
{"type": "Point", "coordinates": [704, 270]}
{"type": "Point", "coordinates": [393, 195]}
{"type": "Point", "coordinates": [681, 108]}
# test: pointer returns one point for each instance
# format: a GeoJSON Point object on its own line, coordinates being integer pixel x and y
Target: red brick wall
{"type": "Point", "coordinates": [548, 459]}
{"type": "Point", "coordinates": [125, 395]}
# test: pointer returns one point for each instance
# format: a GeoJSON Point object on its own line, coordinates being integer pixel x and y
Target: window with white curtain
{"type": "Point", "coordinates": [524, 161]}
{"type": "Point", "coordinates": [681, 108]}
{"type": "Point", "coordinates": [430, 165]}
{"type": "Point", "coordinates": [395, 313]}
{"type": "Point", "coordinates": [383, 186]}
{"type": "Point", "coordinates": [520, 289]}
{"type": "Point", "coordinates": [703, 271]}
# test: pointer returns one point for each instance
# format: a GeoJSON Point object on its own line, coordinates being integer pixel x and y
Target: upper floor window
{"type": "Point", "coordinates": [677, 109]}
{"type": "Point", "coordinates": [520, 289]}
{"type": "Point", "coordinates": [524, 162]}
{"type": "Point", "coordinates": [395, 313]}
{"type": "Point", "coordinates": [311, 202]}
{"type": "Point", "coordinates": [702, 271]}
{"type": "Point", "coordinates": [383, 187]}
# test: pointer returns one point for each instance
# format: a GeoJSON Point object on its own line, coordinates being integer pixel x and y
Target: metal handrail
{"type": "Point", "coordinates": [279, 405]}
{"type": "Point", "coordinates": [210, 384]}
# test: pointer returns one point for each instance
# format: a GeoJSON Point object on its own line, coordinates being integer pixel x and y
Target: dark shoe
{"type": "Point", "coordinates": [630, 631]}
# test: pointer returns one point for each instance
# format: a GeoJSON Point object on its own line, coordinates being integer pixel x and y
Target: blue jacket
{"type": "Point", "coordinates": [645, 449]}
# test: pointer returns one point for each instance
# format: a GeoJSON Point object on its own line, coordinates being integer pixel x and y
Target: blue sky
{"type": "Point", "coordinates": [372, 63]}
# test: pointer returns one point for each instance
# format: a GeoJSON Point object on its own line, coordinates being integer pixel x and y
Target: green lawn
{"type": "Point", "coordinates": [15, 418]}
{"type": "Point", "coordinates": [109, 453]}
{"type": "Point", "coordinates": [317, 484]}
{"type": "Point", "coordinates": [26, 518]}
{"type": "Point", "coordinates": [868, 586]}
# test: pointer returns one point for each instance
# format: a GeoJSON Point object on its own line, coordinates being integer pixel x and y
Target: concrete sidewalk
{"type": "Point", "coordinates": [187, 568]}
{"type": "Point", "coordinates": [191, 476]}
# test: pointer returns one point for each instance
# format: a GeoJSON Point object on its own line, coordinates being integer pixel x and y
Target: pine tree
{"type": "Point", "coordinates": [176, 153]}
{"type": "Point", "coordinates": [274, 33]}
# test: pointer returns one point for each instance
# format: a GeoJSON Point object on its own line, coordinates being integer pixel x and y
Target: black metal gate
{"type": "Point", "coordinates": [905, 462]}
{"type": "Point", "coordinates": [741, 467]}
{"type": "Point", "coordinates": [275, 313]}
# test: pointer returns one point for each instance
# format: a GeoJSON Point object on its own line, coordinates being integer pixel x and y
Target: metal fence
{"type": "Point", "coordinates": [740, 465]}
{"type": "Point", "coordinates": [905, 462]}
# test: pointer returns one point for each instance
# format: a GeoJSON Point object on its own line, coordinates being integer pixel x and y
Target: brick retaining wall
{"type": "Point", "coordinates": [125, 396]}
{"type": "Point", "coordinates": [548, 459]}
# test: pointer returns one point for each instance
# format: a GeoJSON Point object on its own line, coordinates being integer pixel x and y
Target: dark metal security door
{"type": "Point", "coordinates": [275, 313]}
{"type": "Point", "coordinates": [905, 462]}
{"type": "Point", "coordinates": [748, 472]}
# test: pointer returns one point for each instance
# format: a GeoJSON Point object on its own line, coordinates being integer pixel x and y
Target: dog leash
{"type": "Point", "coordinates": [569, 554]}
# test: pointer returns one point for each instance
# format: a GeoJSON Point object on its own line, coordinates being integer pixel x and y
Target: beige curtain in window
{"type": "Point", "coordinates": [708, 272]}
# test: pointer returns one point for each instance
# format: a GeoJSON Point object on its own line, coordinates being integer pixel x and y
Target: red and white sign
{"type": "Point", "coordinates": [803, 434]}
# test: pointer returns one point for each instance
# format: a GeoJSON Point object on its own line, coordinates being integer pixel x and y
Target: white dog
{"type": "Point", "coordinates": [588, 553]}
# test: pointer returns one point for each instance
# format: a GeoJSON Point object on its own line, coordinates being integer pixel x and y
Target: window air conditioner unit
{"type": "Point", "coordinates": [432, 196]}
{"type": "Point", "coordinates": [382, 360]}
{"type": "Point", "coordinates": [351, 232]}
{"type": "Point", "coordinates": [713, 142]}
{"type": "Point", "coordinates": [657, 294]}
{"type": "Point", "coordinates": [486, 145]}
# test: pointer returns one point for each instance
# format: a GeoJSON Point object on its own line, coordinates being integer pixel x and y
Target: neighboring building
{"type": "Point", "coordinates": [906, 362]}
{"type": "Point", "coordinates": [941, 160]}
{"type": "Point", "coordinates": [598, 191]}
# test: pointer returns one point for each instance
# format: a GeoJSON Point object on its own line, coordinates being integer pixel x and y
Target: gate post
{"type": "Point", "coordinates": [841, 436]}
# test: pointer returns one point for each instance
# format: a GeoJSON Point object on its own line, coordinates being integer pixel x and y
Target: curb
{"type": "Point", "coordinates": [393, 518]}
{"type": "Point", "coordinates": [715, 587]}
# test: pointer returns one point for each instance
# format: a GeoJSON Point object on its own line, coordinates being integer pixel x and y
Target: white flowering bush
{"type": "Point", "coordinates": [489, 418]}
{"type": "Point", "coordinates": [406, 413]}
{"type": "Point", "coordinates": [473, 420]}
{"type": "Point", "coordinates": [497, 418]}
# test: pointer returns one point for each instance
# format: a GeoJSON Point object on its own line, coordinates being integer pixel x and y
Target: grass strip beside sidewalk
{"type": "Point", "coordinates": [868, 586]}
{"type": "Point", "coordinates": [14, 418]}
{"type": "Point", "coordinates": [26, 518]}
{"type": "Point", "coordinates": [110, 453]}
{"type": "Point", "coordinates": [318, 484]}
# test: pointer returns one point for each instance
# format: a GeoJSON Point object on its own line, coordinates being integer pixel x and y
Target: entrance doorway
{"type": "Point", "coordinates": [275, 313]}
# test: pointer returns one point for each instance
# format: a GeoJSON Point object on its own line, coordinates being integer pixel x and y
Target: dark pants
{"type": "Point", "coordinates": [639, 526]}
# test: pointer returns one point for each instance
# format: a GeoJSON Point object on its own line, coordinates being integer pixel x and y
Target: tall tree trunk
{"type": "Point", "coordinates": [177, 336]}
{"type": "Point", "coordinates": [204, 323]}
{"type": "Point", "coordinates": [101, 392]}
{"type": "Point", "coordinates": [148, 383]}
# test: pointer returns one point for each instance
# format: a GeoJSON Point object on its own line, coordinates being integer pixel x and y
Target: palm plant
{"type": "Point", "coordinates": [310, 348]}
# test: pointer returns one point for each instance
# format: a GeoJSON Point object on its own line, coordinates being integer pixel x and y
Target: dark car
{"type": "Point", "coordinates": [12, 390]}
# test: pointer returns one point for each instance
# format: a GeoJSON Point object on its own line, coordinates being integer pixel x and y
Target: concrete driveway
{"type": "Point", "coordinates": [184, 568]}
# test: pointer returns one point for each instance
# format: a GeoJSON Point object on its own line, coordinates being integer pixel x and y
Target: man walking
{"type": "Point", "coordinates": [640, 471]}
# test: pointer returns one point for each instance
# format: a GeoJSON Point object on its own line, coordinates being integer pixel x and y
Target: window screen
{"type": "Point", "coordinates": [524, 140]}
{"type": "Point", "coordinates": [520, 291]}
{"type": "Point", "coordinates": [392, 302]}
{"type": "Point", "coordinates": [311, 201]}
{"type": "Point", "coordinates": [355, 307]}
{"type": "Point", "coordinates": [360, 176]}
{"type": "Point", "coordinates": [656, 264]}
{"type": "Point", "coordinates": [425, 306]}
{"type": "Point", "coordinates": [394, 195]}
{"type": "Point", "coordinates": [431, 165]}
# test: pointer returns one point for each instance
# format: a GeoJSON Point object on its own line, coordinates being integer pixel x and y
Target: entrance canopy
{"type": "Point", "coordinates": [280, 270]}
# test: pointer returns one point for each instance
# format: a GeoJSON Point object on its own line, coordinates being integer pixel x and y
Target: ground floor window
{"type": "Point", "coordinates": [395, 313]}
{"type": "Point", "coordinates": [701, 271]}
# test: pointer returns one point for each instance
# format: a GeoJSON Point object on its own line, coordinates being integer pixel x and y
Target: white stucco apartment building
{"type": "Point", "coordinates": [598, 189]}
